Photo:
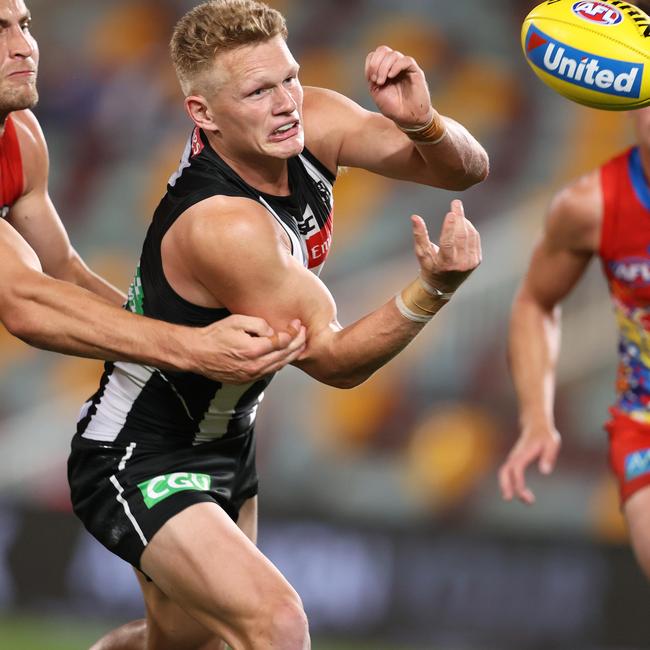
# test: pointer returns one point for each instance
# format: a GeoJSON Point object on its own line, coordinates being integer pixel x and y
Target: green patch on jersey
{"type": "Point", "coordinates": [136, 294]}
{"type": "Point", "coordinates": [159, 488]}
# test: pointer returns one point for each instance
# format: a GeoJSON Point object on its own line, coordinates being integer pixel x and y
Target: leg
{"type": "Point", "coordinates": [637, 514]}
{"type": "Point", "coordinates": [131, 636]}
{"type": "Point", "coordinates": [218, 576]}
{"type": "Point", "coordinates": [167, 626]}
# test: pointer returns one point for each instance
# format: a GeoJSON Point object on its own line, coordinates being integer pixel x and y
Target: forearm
{"type": "Point", "coordinates": [58, 316]}
{"type": "Point", "coordinates": [346, 357]}
{"type": "Point", "coordinates": [533, 351]}
{"type": "Point", "coordinates": [457, 161]}
{"type": "Point", "coordinates": [77, 272]}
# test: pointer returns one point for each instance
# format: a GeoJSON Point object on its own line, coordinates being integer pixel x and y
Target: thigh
{"type": "Point", "coordinates": [227, 552]}
{"type": "Point", "coordinates": [629, 454]}
{"type": "Point", "coordinates": [637, 514]}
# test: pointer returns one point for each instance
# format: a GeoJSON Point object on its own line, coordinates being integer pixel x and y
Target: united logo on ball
{"type": "Point", "coordinates": [594, 53]}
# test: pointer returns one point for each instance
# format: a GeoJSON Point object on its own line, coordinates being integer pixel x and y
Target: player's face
{"type": "Point", "coordinates": [18, 58]}
{"type": "Point", "coordinates": [258, 103]}
{"type": "Point", "coordinates": [641, 121]}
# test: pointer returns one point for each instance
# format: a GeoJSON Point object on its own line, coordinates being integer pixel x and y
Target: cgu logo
{"type": "Point", "coordinates": [609, 76]}
{"type": "Point", "coordinates": [160, 487]}
{"type": "Point", "coordinates": [598, 12]}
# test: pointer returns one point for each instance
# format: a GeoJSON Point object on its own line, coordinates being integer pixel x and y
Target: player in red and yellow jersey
{"type": "Point", "coordinates": [605, 213]}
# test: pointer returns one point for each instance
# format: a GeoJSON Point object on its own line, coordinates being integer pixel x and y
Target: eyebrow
{"type": "Point", "coordinates": [24, 18]}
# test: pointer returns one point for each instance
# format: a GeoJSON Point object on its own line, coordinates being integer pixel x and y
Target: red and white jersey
{"type": "Point", "coordinates": [11, 168]}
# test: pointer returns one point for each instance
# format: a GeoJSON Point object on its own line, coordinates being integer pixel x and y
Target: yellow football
{"type": "Point", "coordinates": [594, 53]}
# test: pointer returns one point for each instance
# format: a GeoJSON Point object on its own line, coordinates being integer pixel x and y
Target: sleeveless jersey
{"type": "Point", "coordinates": [625, 256]}
{"type": "Point", "coordinates": [11, 168]}
{"type": "Point", "coordinates": [163, 408]}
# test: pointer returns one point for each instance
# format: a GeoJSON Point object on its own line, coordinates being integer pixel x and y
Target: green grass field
{"type": "Point", "coordinates": [53, 634]}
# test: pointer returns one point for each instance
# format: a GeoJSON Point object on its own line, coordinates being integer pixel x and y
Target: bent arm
{"type": "Point", "coordinates": [372, 141]}
{"type": "Point", "coordinates": [241, 259]}
{"type": "Point", "coordinates": [55, 315]}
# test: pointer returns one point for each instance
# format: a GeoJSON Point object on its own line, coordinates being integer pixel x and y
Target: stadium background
{"type": "Point", "coordinates": [380, 504]}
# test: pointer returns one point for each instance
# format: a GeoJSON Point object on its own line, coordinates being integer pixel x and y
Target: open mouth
{"type": "Point", "coordinates": [284, 129]}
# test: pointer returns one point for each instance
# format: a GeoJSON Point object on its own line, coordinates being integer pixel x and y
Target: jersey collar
{"type": "Point", "coordinates": [638, 178]}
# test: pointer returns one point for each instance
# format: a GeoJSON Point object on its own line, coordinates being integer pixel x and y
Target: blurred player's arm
{"type": "Point", "coordinates": [439, 152]}
{"type": "Point", "coordinates": [244, 263]}
{"type": "Point", "coordinates": [35, 218]}
{"type": "Point", "coordinates": [59, 316]}
{"type": "Point", "coordinates": [560, 258]}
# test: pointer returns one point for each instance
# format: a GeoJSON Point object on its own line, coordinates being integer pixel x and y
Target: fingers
{"type": "Point", "coordinates": [385, 63]}
{"type": "Point", "coordinates": [512, 482]}
{"type": "Point", "coordinates": [277, 359]}
{"type": "Point", "coordinates": [251, 324]}
{"type": "Point", "coordinates": [512, 475]}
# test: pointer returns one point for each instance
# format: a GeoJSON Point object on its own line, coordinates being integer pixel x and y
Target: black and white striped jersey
{"type": "Point", "coordinates": [140, 403]}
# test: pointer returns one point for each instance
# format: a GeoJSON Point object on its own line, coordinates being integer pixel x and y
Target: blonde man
{"type": "Point", "coordinates": [49, 297]}
{"type": "Point", "coordinates": [245, 226]}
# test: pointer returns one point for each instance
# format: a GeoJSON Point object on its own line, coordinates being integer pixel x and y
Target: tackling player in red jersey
{"type": "Point", "coordinates": [605, 213]}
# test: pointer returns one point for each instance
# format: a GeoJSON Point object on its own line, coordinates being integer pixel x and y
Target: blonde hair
{"type": "Point", "coordinates": [219, 26]}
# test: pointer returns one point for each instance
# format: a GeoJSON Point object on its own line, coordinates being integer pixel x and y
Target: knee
{"type": "Point", "coordinates": [283, 624]}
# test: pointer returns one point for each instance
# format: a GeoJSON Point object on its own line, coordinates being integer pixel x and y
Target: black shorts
{"type": "Point", "coordinates": [124, 493]}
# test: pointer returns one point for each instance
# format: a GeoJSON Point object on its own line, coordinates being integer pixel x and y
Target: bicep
{"type": "Point", "coordinates": [243, 263]}
{"type": "Point", "coordinates": [552, 273]}
{"type": "Point", "coordinates": [35, 218]}
{"type": "Point", "coordinates": [341, 133]}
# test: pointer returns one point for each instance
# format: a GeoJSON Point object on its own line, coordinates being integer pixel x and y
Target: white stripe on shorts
{"type": "Point", "coordinates": [127, 510]}
{"type": "Point", "coordinates": [127, 455]}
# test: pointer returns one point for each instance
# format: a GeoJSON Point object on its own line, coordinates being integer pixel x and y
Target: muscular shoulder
{"type": "Point", "coordinates": [234, 229]}
{"type": "Point", "coordinates": [575, 215]}
{"type": "Point", "coordinates": [33, 148]}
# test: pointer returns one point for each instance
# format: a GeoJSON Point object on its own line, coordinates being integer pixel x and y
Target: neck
{"type": "Point", "coordinates": [264, 173]}
{"type": "Point", "coordinates": [3, 122]}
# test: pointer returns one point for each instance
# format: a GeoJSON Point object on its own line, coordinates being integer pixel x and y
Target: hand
{"type": "Point", "coordinates": [398, 87]}
{"type": "Point", "coordinates": [532, 445]}
{"type": "Point", "coordinates": [240, 349]}
{"type": "Point", "coordinates": [446, 267]}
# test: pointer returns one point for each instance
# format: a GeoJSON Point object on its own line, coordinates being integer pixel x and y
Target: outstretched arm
{"type": "Point", "coordinates": [559, 260]}
{"type": "Point", "coordinates": [241, 260]}
{"type": "Point", "coordinates": [407, 139]}
{"type": "Point", "coordinates": [56, 315]}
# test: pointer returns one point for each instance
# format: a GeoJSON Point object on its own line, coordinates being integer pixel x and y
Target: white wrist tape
{"type": "Point", "coordinates": [407, 313]}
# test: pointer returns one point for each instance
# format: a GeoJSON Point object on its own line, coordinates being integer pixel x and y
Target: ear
{"type": "Point", "coordinates": [200, 113]}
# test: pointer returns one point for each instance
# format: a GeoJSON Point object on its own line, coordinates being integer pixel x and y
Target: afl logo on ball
{"type": "Point", "coordinates": [600, 13]}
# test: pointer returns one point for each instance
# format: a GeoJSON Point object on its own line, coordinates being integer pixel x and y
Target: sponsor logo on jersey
{"type": "Point", "coordinates": [159, 488]}
{"type": "Point", "coordinates": [135, 296]}
{"type": "Point", "coordinates": [197, 143]}
{"type": "Point", "coordinates": [637, 464]}
{"type": "Point", "coordinates": [598, 12]}
{"type": "Point", "coordinates": [634, 271]}
{"type": "Point", "coordinates": [580, 68]}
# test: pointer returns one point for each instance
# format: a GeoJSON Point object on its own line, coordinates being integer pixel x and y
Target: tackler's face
{"type": "Point", "coordinates": [257, 104]}
{"type": "Point", "coordinates": [18, 58]}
